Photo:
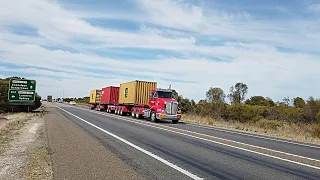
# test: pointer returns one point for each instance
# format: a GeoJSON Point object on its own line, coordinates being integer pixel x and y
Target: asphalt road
{"type": "Point", "coordinates": [154, 152]}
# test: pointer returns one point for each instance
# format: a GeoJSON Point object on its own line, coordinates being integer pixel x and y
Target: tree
{"type": "Point", "coordinates": [298, 102]}
{"type": "Point", "coordinates": [185, 105]}
{"type": "Point", "coordinates": [257, 100]}
{"type": "Point", "coordinates": [215, 95]}
{"type": "Point", "coordinates": [175, 94]}
{"type": "Point", "coordinates": [238, 93]}
{"type": "Point", "coordinates": [271, 102]}
{"type": "Point", "coordinates": [312, 108]}
{"type": "Point", "coordinates": [286, 101]}
{"type": "Point", "coordinates": [202, 101]}
{"type": "Point", "coordinates": [193, 103]}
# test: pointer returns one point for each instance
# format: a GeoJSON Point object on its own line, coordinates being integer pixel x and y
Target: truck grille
{"type": "Point", "coordinates": [171, 108]}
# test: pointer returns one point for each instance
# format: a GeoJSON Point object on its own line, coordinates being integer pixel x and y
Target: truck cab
{"type": "Point", "coordinates": [163, 106]}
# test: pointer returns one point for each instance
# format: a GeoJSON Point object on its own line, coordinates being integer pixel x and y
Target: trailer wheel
{"type": "Point", "coordinates": [175, 121]}
{"type": "Point", "coordinates": [121, 112]}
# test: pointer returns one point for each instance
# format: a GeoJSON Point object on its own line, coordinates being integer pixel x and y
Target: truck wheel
{"type": "Point", "coordinates": [137, 114]}
{"type": "Point", "coordinates": [121, 112]}
{"type": "Point", "coordinates": [149, 117]}
{"type": "Point", "coordinates": [153, 116]}
{"type": "Point", "coordinates": [175, 121]}
{"type": "Point", "coordinates": [133, 115]}
{"type": "Point", "coordinates": [116, 111]}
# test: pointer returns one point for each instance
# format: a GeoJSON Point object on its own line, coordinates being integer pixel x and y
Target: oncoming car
{"type": "Point", "coordinates": [72, 103]}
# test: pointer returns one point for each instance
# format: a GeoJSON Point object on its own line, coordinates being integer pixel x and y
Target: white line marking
{"type": "Point", "coordinates": [252, 135]}
{"type": "Point", "coordinates": [267, 155]}
{"type": "Point", "coordinates": [187, 173]}
{"type": "Point", "coordinates": [143, 123]}
{"type": "Point", "coordinates": [152, 125]}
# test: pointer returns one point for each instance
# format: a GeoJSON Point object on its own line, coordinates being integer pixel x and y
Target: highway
{"type": "Point", "coordinates": [188, 151]}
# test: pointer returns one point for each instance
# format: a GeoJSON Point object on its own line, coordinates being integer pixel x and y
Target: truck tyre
{"type": "Point", "coordinates": [121, 112]}
{"type": "Point", "coordinates": [149, 117]}
{"type": "Point", "coordinates": [175, 121]}
{"type": "Point", "coordinates": [137, 114]}
{"type": "Point", "coordinates": [153, 116]}
{"type": "Point", "coordinates": [133, 115]}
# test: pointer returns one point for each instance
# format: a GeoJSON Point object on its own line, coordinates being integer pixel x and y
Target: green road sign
{"type": "Point", "coordinates": [21, 95]}
{"type": "Point", "coordinates": [22, 84]}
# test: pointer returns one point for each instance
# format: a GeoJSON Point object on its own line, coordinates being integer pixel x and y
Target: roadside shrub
{"type": "Point", "coordinates": [292, 114]}
{"type": "Point", "coordinates": [240, 112]}
{"type": "Point", "coordinates": [256, 119]}
{"type": "Point", "coordinates": [318, 118]}
{"type": "Point", "coordinates": [315, 132]}
{"type": "Point", "coordinates": [269, 124]}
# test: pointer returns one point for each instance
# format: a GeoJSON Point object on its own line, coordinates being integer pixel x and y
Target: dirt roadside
{"type": "Point", "coordinates": [77, 155]}
{"type": "Point", "coordinates": [22, 134]}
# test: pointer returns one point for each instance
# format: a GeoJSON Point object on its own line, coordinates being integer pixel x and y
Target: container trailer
{"type": "Point", "coordinates": [109, 99]}
{"type": "Point", "coordinates": [143, 99]}
{"type": "Point", "coordinates": [95, 98]}
{"type": "Point", "coordinates": [49, 98]}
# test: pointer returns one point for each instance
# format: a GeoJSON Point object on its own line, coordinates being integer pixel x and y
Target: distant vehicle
{"type": "Point", "coordinates": [140, 99]}
{"type": "Point", "coordinates": [49, 98]}
{"type": "Point", "coordinates": [60, 101]}
{"type": "Point", "coordinates": [72, 103]}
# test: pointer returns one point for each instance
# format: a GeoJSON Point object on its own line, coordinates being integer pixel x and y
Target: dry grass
{"type": "Point", "coordinates": [298, 132]}
{"type": "Point", "coordinates": [13, 122]}
{"type": "Point", "coordinates": [39, 165]}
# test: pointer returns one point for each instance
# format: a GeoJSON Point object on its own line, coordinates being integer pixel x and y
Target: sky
{"type": "Point", "coordinates": [70, 47]}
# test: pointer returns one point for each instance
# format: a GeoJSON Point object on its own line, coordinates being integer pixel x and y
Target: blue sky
{"type": "Point", "coordinates": [75, 46]}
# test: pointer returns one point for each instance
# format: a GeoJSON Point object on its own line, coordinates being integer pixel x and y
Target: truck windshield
{"type": "Point", "coordinates": [162, 94]}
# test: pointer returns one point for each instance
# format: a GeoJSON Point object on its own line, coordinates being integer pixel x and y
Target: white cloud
{"type": "Point", "coordinates": [269, 69]}
{"type": "Point", "coordinates": [240, 26]}
{"type": "Point", "coordinates": [251, 49]}
{"type": "Point", "coordinates": [314, 8]}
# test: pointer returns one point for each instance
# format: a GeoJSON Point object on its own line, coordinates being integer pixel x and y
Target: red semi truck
{"type": "Point", "coordinates": [143, 99]}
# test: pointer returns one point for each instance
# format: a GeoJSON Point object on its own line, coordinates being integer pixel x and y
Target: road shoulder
{"type": "Point", "coordinates": [77, 155]}
{"type": "Point", "coordinates": [21, 136]}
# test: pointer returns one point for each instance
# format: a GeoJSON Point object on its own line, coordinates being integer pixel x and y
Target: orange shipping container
{"type": "Point", "coordinates": [136, 92]}
{"type": "Point", "coordinates": [95, 96]}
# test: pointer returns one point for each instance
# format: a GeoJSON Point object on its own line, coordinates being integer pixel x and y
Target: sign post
{"type": "Point", "coordinates": [21, 90]}
{"type": "Point", "coordinates": [21, 95]}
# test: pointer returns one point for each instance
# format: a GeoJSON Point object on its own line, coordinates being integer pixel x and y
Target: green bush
{"type": "Point", "coordinates": [241, 112]}
{"type": "Point", "coordinates": [269, 124]}
{"type": "Point", "coordinates": [245, 113]}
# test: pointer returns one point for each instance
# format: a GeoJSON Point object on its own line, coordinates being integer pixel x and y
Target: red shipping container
{"type": "Point", "coordinates": [110, 95]}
